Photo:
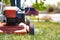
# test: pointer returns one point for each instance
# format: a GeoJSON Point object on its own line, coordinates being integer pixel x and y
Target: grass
{"type": "Point", "coordinates": [15, 37]}
{"type": "Point", "coordinates": [46, 31]}
{"type": "Point", "coordinates": [31, 17]}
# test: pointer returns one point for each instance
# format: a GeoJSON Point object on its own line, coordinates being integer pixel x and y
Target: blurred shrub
{"type": "Point", "coordinates": [50, 9]}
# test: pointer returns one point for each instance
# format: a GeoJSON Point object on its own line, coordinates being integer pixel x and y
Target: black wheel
{"type": "Point", "coordinates": [31, 32]}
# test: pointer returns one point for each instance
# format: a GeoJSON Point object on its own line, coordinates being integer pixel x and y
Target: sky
{"type": "Point", "coordinates": [29, 2]}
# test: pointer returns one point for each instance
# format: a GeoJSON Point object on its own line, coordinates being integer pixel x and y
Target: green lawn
{"type": "Point", "coordinates": [31, 17]}
{"type": "Point", "coordinates": [46, 31]}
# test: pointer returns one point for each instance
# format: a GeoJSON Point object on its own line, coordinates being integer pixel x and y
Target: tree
{"type": "Point", "coordinates": [58, 3]}
{"type": "Point", "coordinates": [6, 2]}
{"type": "Point", "coordinates": [39, 5]}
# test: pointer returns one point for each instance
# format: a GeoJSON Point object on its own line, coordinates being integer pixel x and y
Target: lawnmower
{"type": "Point", "coordinates": [14, 21]}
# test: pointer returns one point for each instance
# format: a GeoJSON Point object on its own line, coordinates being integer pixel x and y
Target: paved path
{"type": "Point", "coordinates": [54, 17]}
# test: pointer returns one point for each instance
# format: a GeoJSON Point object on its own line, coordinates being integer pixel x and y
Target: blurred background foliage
{"type": "Point", "coordinates": [6, 2]}
{"type": "Point", "coordinates": [39, 5]}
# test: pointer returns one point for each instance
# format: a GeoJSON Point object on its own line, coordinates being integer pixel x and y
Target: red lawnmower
{"type": "Point", "coordinates": [15, 22]}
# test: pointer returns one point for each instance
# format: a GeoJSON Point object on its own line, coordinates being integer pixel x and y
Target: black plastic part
{"type": "Point", "coordinates": [31, 32]}
{"type": "Point", "coordinates": [11, 21]}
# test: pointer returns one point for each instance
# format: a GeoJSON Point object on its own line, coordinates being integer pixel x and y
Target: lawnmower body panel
{"type": "Point", "coordinates": [12, 29]}
{"type": "Point", "coordinates": [10, 12]}
{"type": "Point", "coordinates": [14, 15]}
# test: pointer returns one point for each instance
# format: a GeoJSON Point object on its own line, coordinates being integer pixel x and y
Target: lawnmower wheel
{"type": "Point", "coordinates": [31, 32]}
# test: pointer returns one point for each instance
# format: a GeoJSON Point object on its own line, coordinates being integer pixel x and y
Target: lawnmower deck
{"type": "Point", "coordinates": [9, 29]}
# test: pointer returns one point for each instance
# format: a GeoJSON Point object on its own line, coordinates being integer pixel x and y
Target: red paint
{"type": "Point", "coordinates": [11, 29]}
{"type": "Point", "coordinates": [10, 13]}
